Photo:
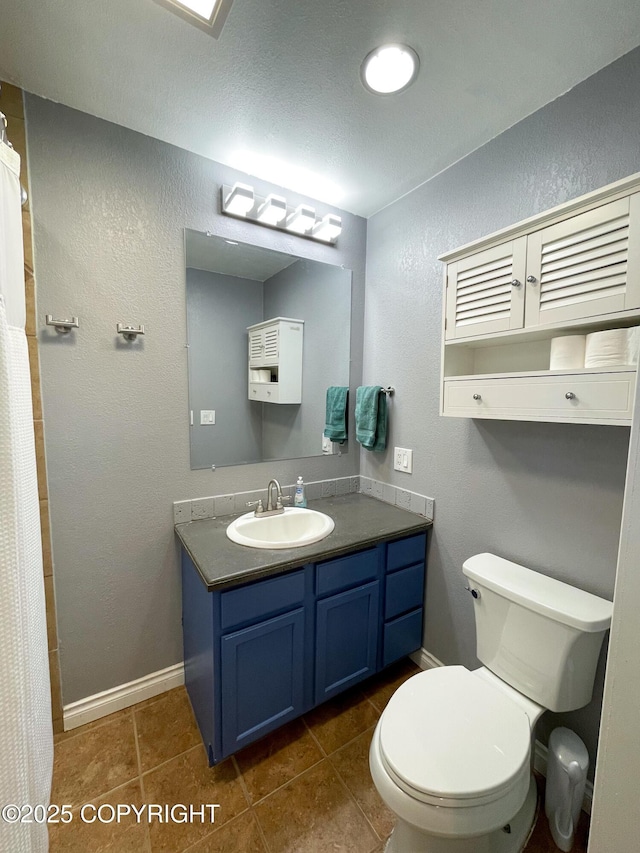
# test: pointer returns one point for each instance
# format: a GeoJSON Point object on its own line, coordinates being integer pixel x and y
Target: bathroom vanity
{"type": "Point", "coordinates": [268, 635]}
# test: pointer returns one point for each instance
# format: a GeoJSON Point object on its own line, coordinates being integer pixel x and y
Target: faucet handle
{"type": "Point", "coordinates": [281, 499]}
{"type": "Point", "coordinates": [257, 504]}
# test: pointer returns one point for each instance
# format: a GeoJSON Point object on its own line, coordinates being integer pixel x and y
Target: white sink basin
{"type": "Point", "coordinates": [291, 529]}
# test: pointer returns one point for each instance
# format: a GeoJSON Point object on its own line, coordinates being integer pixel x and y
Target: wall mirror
{"type": "Point", "coordinates": [231, 286]}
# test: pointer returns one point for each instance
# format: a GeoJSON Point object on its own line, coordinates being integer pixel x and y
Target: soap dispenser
{"type": "Point", "coordinates": [299, 499]}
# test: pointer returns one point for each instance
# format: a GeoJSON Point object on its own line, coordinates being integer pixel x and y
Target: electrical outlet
{"type": "Point", "coordinates": [403, 459]}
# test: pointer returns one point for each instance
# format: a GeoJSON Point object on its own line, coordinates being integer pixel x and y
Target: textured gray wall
{"type": "Point", "coordinates": [109, 208]}
{"type": "Point", "coordinates": [219, 309]}
{"type": "Point", "coordinates": [546, 495]}
{"type": "Point", "coordinates": [321, 296]}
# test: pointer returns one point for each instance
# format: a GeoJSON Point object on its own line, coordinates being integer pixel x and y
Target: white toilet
{"type": "Point", "coordinates": [451, 755]}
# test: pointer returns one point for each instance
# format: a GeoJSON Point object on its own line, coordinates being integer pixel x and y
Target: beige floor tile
{"type": "Point", "coordinates": [381, 687]}
{"type": "Point", "coordinates": [241, 835]}
{"type": "Point", "coordinates": [352, 763]}
{"type": "Point", "coordinates": [188, 779]}
{"type": "Point", "coordinates": [277, 759]}
{"type": "Point", "coordinates": [80, 730]}
{"type": "Point", "coordinates": [339, 720]}
{"type": "Point", "coordinates": [94, 762]}
{"type": "Point", "coordinates": [126, 835]}
{"type": "Point", "coordinates": [314, 813]}
{"type": "Point", "coordinates": [165, 728]}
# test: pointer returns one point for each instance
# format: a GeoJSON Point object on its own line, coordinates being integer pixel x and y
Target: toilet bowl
{"type": "Point", "coordinates": [451, 756]}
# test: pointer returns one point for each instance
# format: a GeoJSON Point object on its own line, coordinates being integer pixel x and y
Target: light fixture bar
{"type": "Point", "coordinates": [328, 228]}
{"type": "Point", "coordinates": [241, 202]}
{"type": "Point", "coordinates": [273, 211]}
{"type": "Point", "coordinates": [302, 220]}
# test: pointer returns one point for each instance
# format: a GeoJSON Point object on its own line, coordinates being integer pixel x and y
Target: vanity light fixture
{"type": "Point", "coordinates": [241, 202]}
{"type": "Point", "coordinates": [273, 211]}
{"type": "Point", "coordinates": [302, 220]}
{"type": "Point", "coordinates": [328, 228]}
{"type": "Point", "coordinates": [389, 69]}
{"type": "Point", "coordinates": [207, 15]}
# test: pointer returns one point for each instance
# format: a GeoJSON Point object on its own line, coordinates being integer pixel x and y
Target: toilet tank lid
{"type": "Point", "coordinates": [541, 594]}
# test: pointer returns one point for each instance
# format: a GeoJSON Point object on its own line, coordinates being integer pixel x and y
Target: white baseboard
{"type": "Point", "coordinates": [425, 660]}
{"type": "Point", "coordinates": [102, 704]}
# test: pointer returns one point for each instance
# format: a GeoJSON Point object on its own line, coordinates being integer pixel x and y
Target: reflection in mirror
{"type": "Point", "coordinates": [231, 286]}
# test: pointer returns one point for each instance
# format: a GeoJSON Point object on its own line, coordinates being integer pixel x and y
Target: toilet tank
{"type": "Point", "coordinates": [540, 635]}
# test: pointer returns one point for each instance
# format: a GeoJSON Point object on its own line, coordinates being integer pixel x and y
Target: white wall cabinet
{"type": "Point", "coordinates": [275, 360]}
{"type": "Point", "coordinates": [571, 270]}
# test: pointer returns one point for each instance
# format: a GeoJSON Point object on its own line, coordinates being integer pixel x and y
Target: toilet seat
{"type": "Point", "coordinates": [452, 740]}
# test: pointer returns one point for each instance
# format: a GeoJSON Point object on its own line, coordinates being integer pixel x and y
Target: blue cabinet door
{"type": "Point", "coordinates": [346, 639]}
{"type": "Point", "coordinates": [262, 678]}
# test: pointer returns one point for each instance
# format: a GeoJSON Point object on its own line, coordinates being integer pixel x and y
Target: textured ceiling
{"type": "Point", "coordinates": [282, 81]}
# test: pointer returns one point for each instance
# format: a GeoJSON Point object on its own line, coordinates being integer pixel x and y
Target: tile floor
{"type": "Point", "coordinates": [302, 789]}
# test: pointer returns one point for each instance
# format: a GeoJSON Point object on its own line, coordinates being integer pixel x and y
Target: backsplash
{"type": "Point", "coordinates": [403, 498]}
{"type": "Point", "coordinates": [216, 505]}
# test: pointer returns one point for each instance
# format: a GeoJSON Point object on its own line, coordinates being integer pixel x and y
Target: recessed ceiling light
{"type": "Point", "coordinates": [389, 69]}
{"type": "Point", "coordinates": [208, 15]}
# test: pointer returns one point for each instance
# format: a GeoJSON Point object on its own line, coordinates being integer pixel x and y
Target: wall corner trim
{"type": "Point", "coordinates": [116, 698]}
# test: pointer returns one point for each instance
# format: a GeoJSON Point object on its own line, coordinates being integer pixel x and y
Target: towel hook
{"type": "Point", "coordinates": [389, 390]}
{"type": "Point", "coordinates": [129, 333]}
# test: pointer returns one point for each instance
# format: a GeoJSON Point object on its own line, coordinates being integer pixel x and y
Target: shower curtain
{"type": "Point", "coordinates": [26, 739]}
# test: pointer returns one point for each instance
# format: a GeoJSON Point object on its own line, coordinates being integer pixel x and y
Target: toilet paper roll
{"type": "Point", "coordinates": [633, 344]}
{"type": "Point", "coordinates": [607, 348]}
{"type": "Point", "coordinates": [261, 376]}
{"type": "Point", "coordinates": [567, 352]}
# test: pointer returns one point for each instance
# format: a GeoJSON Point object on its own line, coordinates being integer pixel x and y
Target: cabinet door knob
{"type": "Point", "coordinates": [477, 397]}
{"type": "Point", "coordinates": [515, 283]}
{"type": "Point", "coordinates": [570, 395]}
{"type": "Point", "coordinates": [531, 279]}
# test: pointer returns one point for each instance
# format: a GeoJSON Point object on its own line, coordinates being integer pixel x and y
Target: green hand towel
{"type": "Point", "coordinates": [335, 426]}
{"type": "Point", "coordinates": [371, 417]}
{"type": "Point", "coordinates": [381, 425]}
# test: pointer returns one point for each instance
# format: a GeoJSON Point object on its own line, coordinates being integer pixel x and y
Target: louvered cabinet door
{"type": "Point", "coordinates": [271, 349]}
{"type": "Point", "coordinates": [485, 292]}
{"type": "Point", "coordinates": [256, 347]}
{"type": "Point", "coordinates": [585, 266]}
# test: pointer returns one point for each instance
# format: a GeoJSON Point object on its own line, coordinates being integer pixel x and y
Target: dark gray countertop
{"type": "Point", "coordinates": [359, 521]}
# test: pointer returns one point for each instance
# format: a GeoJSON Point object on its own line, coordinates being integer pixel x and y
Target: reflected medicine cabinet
{"type": "Point", "coordinates": [574, 269]}
{"type": "Point", "coordinates": [275, 360]}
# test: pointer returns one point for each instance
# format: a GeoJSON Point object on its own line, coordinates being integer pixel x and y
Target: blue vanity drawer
{"type": "Point", "coordinates": [261, 599]}
{"type": "Point", "coordinates": [402, 636]}
{"type": "Point", "coordinates": [404, 552]}
{"type": "Point", "coordinates": [404, 591]}
{"type": "Point", "coordinates": [344, 572]}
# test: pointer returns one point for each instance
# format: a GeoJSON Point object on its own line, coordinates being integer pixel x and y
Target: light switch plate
{"type": "Point", "coordinates": [327, 445]}
{"type": "Point", "coordinates": [207, 417]}
{"type": "Point", "coordinates": [403, 459]}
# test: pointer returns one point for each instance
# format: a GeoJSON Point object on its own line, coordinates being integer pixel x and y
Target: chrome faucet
{"type": "Point", "coordinates": [277, 507]}
{"type": "Point", "coordinates": [272, 508]}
